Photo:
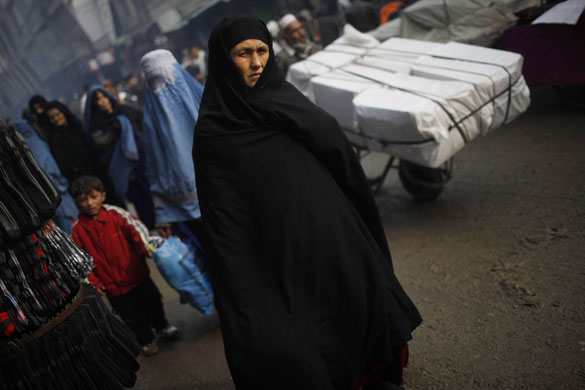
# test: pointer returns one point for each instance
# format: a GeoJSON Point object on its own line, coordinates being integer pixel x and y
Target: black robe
{"type": "Point", "coordinates": [298, 257]}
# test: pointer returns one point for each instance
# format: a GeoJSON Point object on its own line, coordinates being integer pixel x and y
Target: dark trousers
{"type": "Point", "coordinates": [141, 308]}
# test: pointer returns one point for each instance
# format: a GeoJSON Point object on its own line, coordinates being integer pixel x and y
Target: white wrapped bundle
{"type": "Point", "coordinates": [334, 92]}
{"type": "Point", "coordinates": [417, 100]}
{"type": "Point", "coordinates": [341, 48]}
{"type": "Point", "coordinates": [397, 65]}
{"type": "Point", "coordinates": [495, 74]}
{"type": "Point", "coordinates": [506, 60]}
{"type": "Point", "coordinates": [428, 152]}
{"type": "Point", "coordinates": [484, 78]}
{"type": "Point", "coordinates": [409, 46]}
{"type": "Point", "coordinates": [322, 62]}
{"type": "Point", "coordinates": [509, 106]}
{"type": "Point", "coordinates": [353, 37]}
{"type": "Point", "coordinates": [435, 107]}
{"type": "Point", "coordinates": [403, 51]}
{"type": "Point", "coordinates": [390, 115]}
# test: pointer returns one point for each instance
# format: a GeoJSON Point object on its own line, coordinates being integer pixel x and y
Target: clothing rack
{"type": "Point", "coordinates": [55, 330]}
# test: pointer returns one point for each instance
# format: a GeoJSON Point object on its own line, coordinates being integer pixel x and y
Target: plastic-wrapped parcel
{"type": "Point", "coordinates": [416, 100]}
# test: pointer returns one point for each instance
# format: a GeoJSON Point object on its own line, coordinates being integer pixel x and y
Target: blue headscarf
{"type": "Point", "coordinates": [67, 210]}
{"type": "Point", "coordinates": [123, 156]}
{"type": "Point", "coordinates": [171, 110]}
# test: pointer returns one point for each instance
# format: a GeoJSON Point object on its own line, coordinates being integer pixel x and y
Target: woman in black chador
{"type": "Point", "coordinates": [74, 156]}
{"type": "Point", "coordinates": [115, 131]}
{"type": "Point", "coordinates": [303, 277]}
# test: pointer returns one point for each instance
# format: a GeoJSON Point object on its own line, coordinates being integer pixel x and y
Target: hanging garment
{"type": "Point", "coordinates": [39, 272]}
{"type": "Point", "coordinates": [83, 347]}
{"type": "Point", "coordinates": [27, 194]}
{"type": "Point", "coordinates": [67, 210]}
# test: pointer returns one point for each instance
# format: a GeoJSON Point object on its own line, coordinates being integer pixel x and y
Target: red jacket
{"type": "Point", "coordinates": [117, 243]}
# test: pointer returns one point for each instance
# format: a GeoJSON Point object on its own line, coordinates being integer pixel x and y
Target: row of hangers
{"type": "Point", "coordinates": [37, 277]}
{"type": "Point", "coordinates": [28, 197]}
{"type": "Point", "coordinates": [90, 349]}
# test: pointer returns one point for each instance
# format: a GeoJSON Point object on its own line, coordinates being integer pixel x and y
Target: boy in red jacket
{"type": "Point", "coordinates": [117, 242]}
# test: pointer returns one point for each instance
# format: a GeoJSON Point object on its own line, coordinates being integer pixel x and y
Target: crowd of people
{"type": "Point", "coordinates": [298, 258]}
{"type": "Point", "coordinates": [102, 132]}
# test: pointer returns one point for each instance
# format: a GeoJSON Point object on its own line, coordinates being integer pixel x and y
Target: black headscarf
{"type": "Point", "coordinates": [95, 119]}
{"type": "Point", "coordinates": [42, 119]}
{"type": "Point", "coordinates": [36, 99]}
{"type": "Point", "coordinates": [69, 148]}
{"type": "Point", "coordinates": [227, 99]}
{"type": "Point", "coordinates": [99, 120]}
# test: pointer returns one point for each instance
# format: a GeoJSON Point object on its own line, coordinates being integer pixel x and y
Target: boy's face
{"type": "Point", "coordinates": [90, 203]}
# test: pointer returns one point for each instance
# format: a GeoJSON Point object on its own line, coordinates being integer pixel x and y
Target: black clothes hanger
{"type": "Point", "coordinates": [76, 261]}
{"type": "Point", "coordinates": [13, 309]}
{"type": "Point", "coordinates": [17, 205]}
{"type": "Point", "coordinates": [34, 180]}
{"type": "Point", "coordinates": [9, 228]}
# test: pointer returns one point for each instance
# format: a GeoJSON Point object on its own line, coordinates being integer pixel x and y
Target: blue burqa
{"type": "Point", "coordinates": [172, 107]}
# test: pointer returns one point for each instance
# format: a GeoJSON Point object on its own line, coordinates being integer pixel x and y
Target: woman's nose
{"type": "Point", "coordinates": [255, 60]}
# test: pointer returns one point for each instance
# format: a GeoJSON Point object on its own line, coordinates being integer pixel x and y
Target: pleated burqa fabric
{"type": "Point", "coordinates": [304, 283]}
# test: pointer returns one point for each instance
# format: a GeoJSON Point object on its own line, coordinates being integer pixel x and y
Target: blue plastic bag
{"type": "Point", "coordinates": [178, 264]}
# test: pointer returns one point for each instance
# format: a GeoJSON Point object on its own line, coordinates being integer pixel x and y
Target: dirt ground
{"type": "Point", "coordinates": [496, 266]}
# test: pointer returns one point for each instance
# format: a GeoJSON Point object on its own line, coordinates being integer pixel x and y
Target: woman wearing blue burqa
{"type": "Point", "coordinates": [172, 98]}
{"type": "Point", "coordinates": [67, 210]}
{"type": "Point", "coordinates": [115, 131]}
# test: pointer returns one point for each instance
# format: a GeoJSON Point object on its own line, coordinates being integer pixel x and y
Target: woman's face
{"type": "Point", "coordinates": [103, 102]}
{"type": "Point", "coordinates": [38, 108]}
{"type": "Point", "coordinates": [250, 57]}
{"type": "Point", "coordinates": [56, 117]}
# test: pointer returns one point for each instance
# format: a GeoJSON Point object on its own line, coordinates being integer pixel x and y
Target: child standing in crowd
{"type": "Point", "coordinates": [117, 242]}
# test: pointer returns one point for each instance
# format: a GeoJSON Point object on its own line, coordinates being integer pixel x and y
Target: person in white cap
{"type": "Point", "coordinates": [296, 46]}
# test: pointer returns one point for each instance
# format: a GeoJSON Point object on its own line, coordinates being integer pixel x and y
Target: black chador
{"type": "Point", "coordinates": [304, 282]}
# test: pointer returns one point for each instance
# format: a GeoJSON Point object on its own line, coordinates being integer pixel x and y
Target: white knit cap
{"type": "Point", "coordinates": [273, 28]}
{"type": "Point", "coordinates": [286, 20]}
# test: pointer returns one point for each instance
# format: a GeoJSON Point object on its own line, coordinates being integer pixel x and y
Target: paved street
{"type": "Point", "coordinates": [496, 266]}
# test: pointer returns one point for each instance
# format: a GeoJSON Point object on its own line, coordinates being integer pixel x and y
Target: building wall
{"type": "Point", "coordinates": [39, 42]}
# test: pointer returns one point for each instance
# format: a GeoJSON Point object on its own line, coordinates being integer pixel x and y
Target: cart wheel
{"type": "Point", "coordinates": [422, 183]}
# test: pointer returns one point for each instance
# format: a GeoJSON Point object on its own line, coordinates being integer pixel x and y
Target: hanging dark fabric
{"type": "Point", "coordinates": [55, 332]}
{"type": "Point", "coordinates": [27, 195]}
